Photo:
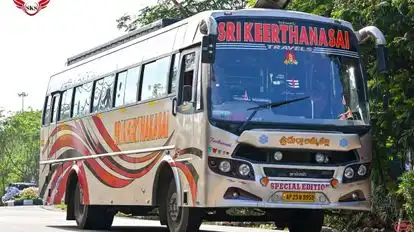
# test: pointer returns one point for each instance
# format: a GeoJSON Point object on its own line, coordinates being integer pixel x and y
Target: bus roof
{"type": "Point", "coordinates": [186, 28]}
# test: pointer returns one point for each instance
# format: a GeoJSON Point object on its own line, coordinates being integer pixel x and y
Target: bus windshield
{"type": "Point", "coordinates": [246, 75]}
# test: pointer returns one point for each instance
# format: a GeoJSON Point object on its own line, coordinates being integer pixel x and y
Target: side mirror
{"type": "Point", "coordinates": [382, 59]}
{"type": "Point", "coordinates": [187, 93]}
{"type": "Point", "coordinates": [208, 49]}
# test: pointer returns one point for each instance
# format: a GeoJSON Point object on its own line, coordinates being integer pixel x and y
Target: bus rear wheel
{"type": "Point", "coordinates": [180, 219]}
{"type": "Point", "coordinates": [306, 221]}
{"type": "Point", "coordinates": [91, 217]}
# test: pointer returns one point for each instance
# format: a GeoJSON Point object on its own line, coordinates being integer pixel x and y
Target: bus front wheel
{"type": "Point", "coordinates": [88, 216]}
{"type": "Point", "coordinates": [180, 219]}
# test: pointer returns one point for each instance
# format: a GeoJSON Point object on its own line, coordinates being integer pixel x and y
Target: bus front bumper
{"type": "Point", "coordinates": [232, 193]}
{"type": "Point", "coordinates": [356, 205]}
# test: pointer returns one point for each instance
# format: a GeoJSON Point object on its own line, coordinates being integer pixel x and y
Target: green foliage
{"type": "Point", "coordinates": [28, 194]}
{"type": "Point", "coordinates": [173, 9]}
{"type": "Point", "coordinates": [385, 212]}
{"type": "Point", "coordinates": [406, 189]}
{"type": "Point", "coordinates": [19, 147]}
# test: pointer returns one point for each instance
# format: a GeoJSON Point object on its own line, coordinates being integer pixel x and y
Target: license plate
{"type": "Point", "coordinates": [298, 197]}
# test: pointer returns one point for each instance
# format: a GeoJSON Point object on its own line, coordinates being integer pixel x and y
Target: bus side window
{"type": "Point", "coordinates": [174, 73]}
{"type": "Point", "coordinates": [46, 110]}
{"type": "Point", "coordinates": [188, 77]}
{"type": "Point", "coordinates": [66, 104]}
{"type": "Point", "coordinates": [55, 109]}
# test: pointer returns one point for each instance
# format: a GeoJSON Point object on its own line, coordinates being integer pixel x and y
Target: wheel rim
{"type": "Point", "coordinates": [173, 210]}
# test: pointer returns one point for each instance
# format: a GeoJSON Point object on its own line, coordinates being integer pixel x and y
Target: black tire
{"type": "Point", "coordinates": [91, 217]}
{"type": "Point", "coordinates": [306, 221]}
{"type": "Point", "coordinates": [180, 219]}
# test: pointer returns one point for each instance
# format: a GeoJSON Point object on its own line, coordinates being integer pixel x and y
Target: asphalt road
{"type": "Point", "coordinates": [34, 218]}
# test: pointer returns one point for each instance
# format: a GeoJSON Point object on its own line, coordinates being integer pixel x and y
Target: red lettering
{"type": "Point", "coordinates": [275, 33]}
{"type": "Point", "coordinates": [304, 187]}
{"type": "Point", "coordinates": [293, 34]}
{"type": "Point", "coordinates": [303, 36]}
{"type": "Point", "coordinates": [231, 29]}
{"type": "Point", "coordinates": [258, 37]}
{"type": "Point", "coordinates": [340, 43]}
{"type": "Point", "coordinates": [313, 36]}
{"type": "Point", "coordinates": [332, 39]}
{"type": "Point", "coordinates": [323, 41]}
{"type": "Point", "coordinates": [347, 40]}
{"type": "Point", "coordinates": [248, 32]}
{"type": "Point", "coordinates": [266, 33]}
{"type": "Point", "coordinates": [238, 31]}
{"type": "Point", "coordinates": [284, 29]}
{"type": "Point", "coordinates": [222, 32]}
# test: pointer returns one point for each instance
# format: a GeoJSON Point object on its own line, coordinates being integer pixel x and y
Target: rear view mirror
{"type": "Point", "coordinates": [382, 58]}
{"type": "Point", "coordinates": [208, 49]}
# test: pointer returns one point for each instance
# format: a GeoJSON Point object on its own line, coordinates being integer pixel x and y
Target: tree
{"type": "Point", "coordinates": [20, 146]}
{"type": "Point", "coordinates": [174, 9]}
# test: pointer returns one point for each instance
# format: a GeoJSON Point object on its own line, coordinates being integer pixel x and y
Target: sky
{"type": "Point", "coordinates": [32, 48]}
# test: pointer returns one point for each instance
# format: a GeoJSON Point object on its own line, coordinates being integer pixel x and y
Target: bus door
{"type": "Point", "coordinates": [185, 102]}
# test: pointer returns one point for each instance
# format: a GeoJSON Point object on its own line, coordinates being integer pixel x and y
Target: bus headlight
{"type": "Point", "coordinates": [231, 168]}
{"type": "Point", "coordinates": [244, 169]}
{"type": "Point", "coordinates": [225, 166]}
{"type": "Point", "coordinates": [356, 172]}
{"type": "Point", "coordinates": [362, 170]}
{"type": "Point", "coordinates": [349, 172]}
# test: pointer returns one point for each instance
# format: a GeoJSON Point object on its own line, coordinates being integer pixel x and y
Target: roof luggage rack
{"type": "Point", "coordinates": [121, 40]}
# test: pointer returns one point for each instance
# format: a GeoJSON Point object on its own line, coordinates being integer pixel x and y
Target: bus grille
{"type": "Point", "coordinates": [294, 156]}
{"type": "Point", "coordinates": [298, 173]}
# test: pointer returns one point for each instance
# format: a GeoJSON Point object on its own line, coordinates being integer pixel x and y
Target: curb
{"type": "Point", "coordinates": [23, 202]}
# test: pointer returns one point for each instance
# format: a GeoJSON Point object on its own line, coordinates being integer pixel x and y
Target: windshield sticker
{"type": "Point", "coordinates": [245, 96]}
{"type": "Point", "coordinates": [294, 84]}
{"type": "Point", "coordinates": [283, 34]}
{"type": "Point", "coordinates": [304, 141]}
{"type": "Point", "coordinates": [277, 80]}
{"type": "Point", "coordinates": [347, 115]}
{"type": "Point", "coordinates": [290, 58]}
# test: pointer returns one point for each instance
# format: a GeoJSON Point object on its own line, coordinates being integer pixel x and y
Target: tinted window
{"type": "Point", "coordinates": [56, 100]}
{"type": "Point", "coordinates": [103, 94]}
{"type": "Point", "coordinates": [46, 111]}
{"type": "Point", "coordinates": [131, 85]}
{"type": "Point", "coordinates": [120, 89]}
{"type": "Point", "coordinates": [188, 78]}
{"type": "Point", "coordinates": [82, 99]}
{"type": "Point", "coordinates": [174, 74]}
{"type": "Point", "coordinates": [155, 80]}
{"type": "Point", "coordinates": [66, 104]}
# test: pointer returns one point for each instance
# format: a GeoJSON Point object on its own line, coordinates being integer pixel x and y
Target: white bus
{"type": "Point", "coordinates": [253, 108]}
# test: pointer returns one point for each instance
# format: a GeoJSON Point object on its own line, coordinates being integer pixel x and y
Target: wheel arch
{"type": "Point", "coordinates": [164, 174]}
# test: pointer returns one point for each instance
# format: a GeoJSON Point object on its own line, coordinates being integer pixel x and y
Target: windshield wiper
{"type": "Point", "coordinates": [265, 106]}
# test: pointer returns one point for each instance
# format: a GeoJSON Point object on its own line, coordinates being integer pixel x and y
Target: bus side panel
{"type": "Point", "coordinates": [127, 179]}
{"type": "Point", "coordinates": [189, 159]}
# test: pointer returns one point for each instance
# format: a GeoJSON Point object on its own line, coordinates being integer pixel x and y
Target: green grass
{"type": "Point", "coordinates": [61, 207]}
